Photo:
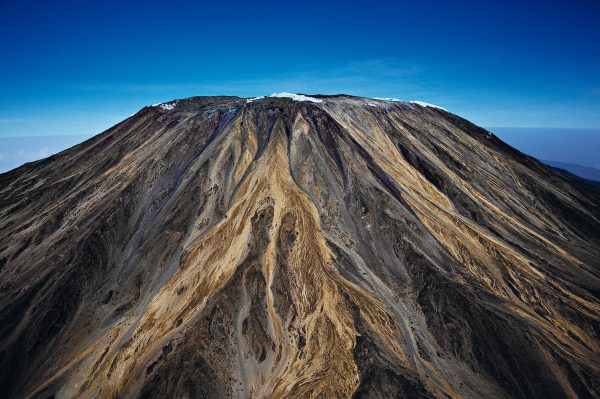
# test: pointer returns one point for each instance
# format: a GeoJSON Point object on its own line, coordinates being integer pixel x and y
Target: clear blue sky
{"type": "Point", "coordinates": [75, 67]}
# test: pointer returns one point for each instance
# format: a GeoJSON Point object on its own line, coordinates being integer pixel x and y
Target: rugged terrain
{"type": "Point", "coordinates": [327, 246]}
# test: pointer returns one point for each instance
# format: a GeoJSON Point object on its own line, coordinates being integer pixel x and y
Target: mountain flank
{"type": "Point", "coordinates": [297, 246]}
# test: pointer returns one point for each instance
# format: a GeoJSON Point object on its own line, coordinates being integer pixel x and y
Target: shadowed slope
{"type": "Point", "coordinates": [218, 247]}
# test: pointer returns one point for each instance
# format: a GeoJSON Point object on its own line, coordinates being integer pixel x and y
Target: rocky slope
{"type": "Point", "coordinates": [310, 247]}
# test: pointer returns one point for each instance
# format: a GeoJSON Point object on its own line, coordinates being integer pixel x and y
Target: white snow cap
{"type": "Point", "coordinates": [296, 97]}
{"type": "Point", "coordinates": [424, 104]}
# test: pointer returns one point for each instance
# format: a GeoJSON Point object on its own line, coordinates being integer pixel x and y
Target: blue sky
{"type": "Point", "coordinates": [79, 67]}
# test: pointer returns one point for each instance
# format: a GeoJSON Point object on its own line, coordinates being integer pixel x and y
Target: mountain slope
{"type": "Point", "coordinates": [330, 247]}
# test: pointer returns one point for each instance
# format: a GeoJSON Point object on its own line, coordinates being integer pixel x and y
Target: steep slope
{"type": "Point", "coordinates": [309, 247]}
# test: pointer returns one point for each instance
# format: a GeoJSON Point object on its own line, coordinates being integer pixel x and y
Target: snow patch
{"type": "Point", "coordinates": [387, 99]}
{"type": "Point", "coordinates": [166, 106]}
{"type": "Point", "coordinates": [424, 104]}
{"type": "Point", "coordinates": [421, 103]}
{"type": "Point", "coordinates": [249, 100]}
{"type": "Point", "coordinates": [296, 97]}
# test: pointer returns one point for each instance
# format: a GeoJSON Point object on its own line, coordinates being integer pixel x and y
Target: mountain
{"type": "Point", "coordinates": [582, 171]}
{"type": "Point", "coordinates": [298, 247]}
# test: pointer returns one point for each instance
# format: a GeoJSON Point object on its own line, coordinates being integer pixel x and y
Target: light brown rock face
{"type": "Point", "coordinates": [275, 248]}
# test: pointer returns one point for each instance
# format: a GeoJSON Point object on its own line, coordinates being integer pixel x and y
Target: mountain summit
{"type": "Point", "coordinates": [300, 247]}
